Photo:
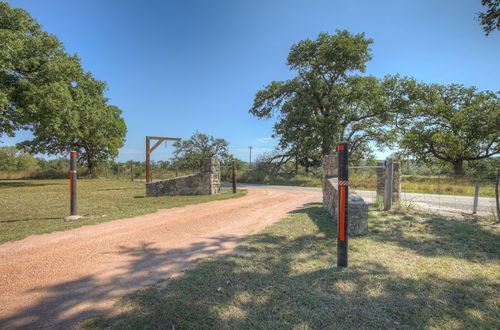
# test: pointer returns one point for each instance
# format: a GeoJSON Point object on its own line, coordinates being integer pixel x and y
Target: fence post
{"type": "Point", "coordinates": [233, 172]}
{"type": "Point", "coordinates": [476, 197]}
{"type": "Point", "coordinates": [131, 171]}
{"type": "Point", "coordinates": [343, 214]}
{"type": "Point", "coordinates": [388, 184]}
{"type": "Point", "coordinates": [496, 195]}
{"type": "Point", "coordinates": [176, 172]}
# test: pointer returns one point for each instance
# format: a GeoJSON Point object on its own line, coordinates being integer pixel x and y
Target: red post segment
{"type": "Point", "coordinates": [343, 214]}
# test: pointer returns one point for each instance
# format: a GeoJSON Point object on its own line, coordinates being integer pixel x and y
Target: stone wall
{"type": "Point", "coordinates": [357, 207]}
{"type": "Point", "coordinates": [203, 183]}
{"type": "Point", "coordinates": [396, 183]}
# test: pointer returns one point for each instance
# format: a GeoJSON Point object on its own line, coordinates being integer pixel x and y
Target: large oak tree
{"type": "Point", "coordinates": [329, 101]}
{"type": "Point", "coordinates": [452, 124]}
{"type": "Point", "coordinates": [44, 89]}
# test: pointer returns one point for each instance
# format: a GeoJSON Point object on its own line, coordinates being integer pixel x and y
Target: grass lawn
{"type": "Point", "coordinates": [30, 207]}
{"type": "Point", "coordinates": [411, 271]}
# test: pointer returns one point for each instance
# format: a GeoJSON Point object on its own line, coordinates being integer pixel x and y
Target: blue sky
{"type": "Point", "coordinates": [175, 67]}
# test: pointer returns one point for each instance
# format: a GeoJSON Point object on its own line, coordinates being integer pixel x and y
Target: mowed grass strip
{"type": "Point", "coordinates": [410, 272]}
{"type": "Point", "coordinates": [30, 207]}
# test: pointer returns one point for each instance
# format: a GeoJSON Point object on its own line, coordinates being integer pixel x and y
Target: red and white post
{"type": "Point", "coordinates": [343, 214]}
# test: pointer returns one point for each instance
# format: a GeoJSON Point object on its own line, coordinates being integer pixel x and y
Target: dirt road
{"type": "Point", "coordinates": [56, 280]}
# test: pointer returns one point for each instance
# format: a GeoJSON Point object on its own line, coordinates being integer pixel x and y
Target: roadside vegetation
{"type": "Point", "coordinates": [441, 185]}
{"type": "Point", "coordinates": [410, 271]}
{"type": "Point", "coordinates": [29, 207]}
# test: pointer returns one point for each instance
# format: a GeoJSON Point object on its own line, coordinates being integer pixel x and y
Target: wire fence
{"type": "Point", "coordinates": [469, 194]}
{"type": "Point", "coordinates": [444, 193]}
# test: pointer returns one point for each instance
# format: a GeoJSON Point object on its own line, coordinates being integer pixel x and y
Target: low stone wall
{"type": "Point", "coordinates": [203, 183]}
{"type": "Point", "coordinates": [357, 207]}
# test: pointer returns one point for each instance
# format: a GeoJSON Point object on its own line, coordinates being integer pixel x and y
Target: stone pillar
{"type": "Point", "coordinates": [330, 166]}
{"type": "Point", "coordinates": [330, 170]}
{"type": "Point", "coordinates": [380, 181]}
{"type": "Point", "coordinates": [396, 183]}
{"type": "Point", "coordinates": [212, 166]}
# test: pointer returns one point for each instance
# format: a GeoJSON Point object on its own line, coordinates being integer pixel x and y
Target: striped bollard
{"type": "Point", "coordinates": [343, 214]}
{"type": "Point", "coordinates": [72, 182]}
{"type": "Point", "coordinates": [233, 172]}
{"type": "Point", "coordinates": [72, 188]}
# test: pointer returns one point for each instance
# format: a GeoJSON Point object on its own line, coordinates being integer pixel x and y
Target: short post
{"type": "Point", "coordinates": [72, 188]}
{"type": "Point", "coordinates": [476, 198]}
{"type": "Point", "coordinates": [131, 172]}
{"type": "Point", "coordinates": [343, 214]}
{"type": "Point", "coordinates": [72, 182]}
{"type": "Point", "coordinates": [233, 172]}
{"type": "Point", "coordinates": [176, 172]}
{"type": "Point", "coordinates": [388, 184]}
{"type": "Point", "coordinates": [148, 160]}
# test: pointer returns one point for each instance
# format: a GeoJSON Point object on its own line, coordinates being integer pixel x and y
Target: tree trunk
{"type": "Point", "coordinates": [92, 166]}
{"type": "Point", "coordinates": [458, 168]}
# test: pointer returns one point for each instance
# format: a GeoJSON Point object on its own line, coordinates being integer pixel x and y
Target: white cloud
{"type": "Point", "coordinates": [265, 140]}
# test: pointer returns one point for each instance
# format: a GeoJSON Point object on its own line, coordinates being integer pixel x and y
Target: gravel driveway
{"type": "Point", "coordinates": [55, 280]}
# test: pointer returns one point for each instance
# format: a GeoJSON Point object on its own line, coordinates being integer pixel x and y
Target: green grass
{"type": "Point", "coordinates": [30, 207]}
{"type": "Point", "coordinates": [410, 271]}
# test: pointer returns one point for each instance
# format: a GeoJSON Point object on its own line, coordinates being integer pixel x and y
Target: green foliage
{"type": "Point", "coordinates": [191, 153]}
{"type": "Point", "coordinates": [45, 90]}
{"type": "Point", "coordinates": [452, 124]}
{"type": "Point", "coordinates": [328, 101]}
{"type": "Point", "coordinates": [12, 159]}
{"type": "Point", "coordinates": [490, 19]}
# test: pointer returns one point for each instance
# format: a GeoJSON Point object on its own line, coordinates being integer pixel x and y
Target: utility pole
{"type": "Point", "coordinates": [250, 163]}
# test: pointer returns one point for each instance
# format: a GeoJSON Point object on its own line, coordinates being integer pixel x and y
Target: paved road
{"type": "Point", "coordinates": [431, 202]}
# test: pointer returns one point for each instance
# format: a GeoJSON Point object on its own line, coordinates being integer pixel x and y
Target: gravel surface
{"type": "Point", "coordinates": [56, 280]}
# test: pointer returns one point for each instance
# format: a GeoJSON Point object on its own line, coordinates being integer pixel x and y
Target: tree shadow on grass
{"type": "Point", "coordinates": [430, 235]}
{"type": "Point", "coordinates": [30, 219]}
{"type": "Point", "coordinates": [287, 280]}
{"type": "Point", "coordinates": [290, 282]}
{"type": "Point", "coordinates": [124, 188]}
{"type": "Point", "coordinates": [21, 184]}
{"type": "Point", "coordinates": [60, 306]}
